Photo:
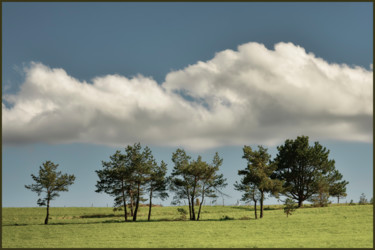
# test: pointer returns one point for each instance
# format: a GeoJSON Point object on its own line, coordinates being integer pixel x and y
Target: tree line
{"type": "Point", "coordinates": [299, 172]}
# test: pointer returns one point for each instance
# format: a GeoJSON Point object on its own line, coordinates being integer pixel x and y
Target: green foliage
{"type": "Point", "coordinates": [307, 170]}
{"type": "Point", "coordinates": [130, 175]}
{"type": "Point", "coordinates": [193, 178]}
{"type": "Point", "coordinates": [256, 179]}
{"type": "Point", "coordinates": [289, 206]}
{"type": "Point", "coordinates": [51, 182]}
{"type": "Point", "coordinates": [337, 186]}
{"type": "Point", "coordinates": [351, 203]}
{"type": "Point", "coordinates": [182, 213]}
{"type": "Point", "coordinates": [328, 227]}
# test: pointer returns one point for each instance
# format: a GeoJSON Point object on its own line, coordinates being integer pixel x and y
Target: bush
{"type": "Point", "coordinates": [320, 200]}
{"type": "Point", "coordinates": [290, 206]}
{"type": "Point", "coordinates": [351, 203]}
{"type": "Point", "coordinates": [182, 212]}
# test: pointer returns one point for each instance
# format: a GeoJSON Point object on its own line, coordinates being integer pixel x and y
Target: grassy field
{"type": "Point", "coordinates": [335, 226]}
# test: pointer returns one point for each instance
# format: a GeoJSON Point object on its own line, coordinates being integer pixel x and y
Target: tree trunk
{"type": "Point", "coordinates": [192, 200]}
{"type": "Point", "coordinates": [149, 209]}
{"type": "Point", "coordinates": [46, 220]}
{"type": "Point", "coordinates": [124, 201]}
{"type": "Point", "coordinates": [338, 199]}
{"type": "Point", "coordinates": [192, 208]}
{"type": "Point", "coordinates": [200, 204]}
{"type": "Point", "coordinates": [137, 202]}
{"type": "Point", "coordinates": [300, 203]}
{"type": "Point", "coordinates": [188, 196]}
{"type": "Point", "coordinates": [131, 203]}
{"type": "Point", "coordinates": [261, 203]}
{"type": "Point", "coordinates": [255, 209]}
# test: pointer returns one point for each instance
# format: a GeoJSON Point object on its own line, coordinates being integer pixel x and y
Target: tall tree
{"type": "Point", "coordinates": [114, 179]}
{"type": "Point", "coordinates": [181, 181]}
{"type": "Point", "coordinates": [191, 179]}
{"type": "Point", "coordinates": [157, 185]}
{"type": "Point", "coordinates": [51, 182]}
{"type": "Point", "coordinates": [299, 164]}
{"type": "Point", "coordinates": [211, 182]}
{"type": "Point", "coordinates": [258, 172]}
{"type": "Point", "coordinates": [141, 164]}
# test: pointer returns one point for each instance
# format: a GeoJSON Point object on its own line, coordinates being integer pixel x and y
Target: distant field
{"type": "Point", "coordinates": [335, 226]}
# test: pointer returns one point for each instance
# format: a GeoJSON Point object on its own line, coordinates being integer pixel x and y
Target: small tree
{"type": "Point", "coordinates": [259, 171]}
{"type": "Point", "coordinates": [51, 182]}
{"type": "Point", "coordinates": [337, 186]}
{"type": "Point", "coordinates": [362, 199]}
{"type": "Point", "coordinates": [251, 193]}
{"type": "Point", "coordinates": [158, 184]}
{"type": "Point", "coordinates": [321, 198]}
{"type": "Point", "coordinates": [289, 206]}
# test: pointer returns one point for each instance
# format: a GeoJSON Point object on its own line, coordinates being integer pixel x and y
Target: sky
{"type": "Point", "coordinates": [82, 80]}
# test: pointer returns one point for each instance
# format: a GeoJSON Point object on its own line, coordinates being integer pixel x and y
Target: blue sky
{"type": "Point", "coordinates": [81, 80]}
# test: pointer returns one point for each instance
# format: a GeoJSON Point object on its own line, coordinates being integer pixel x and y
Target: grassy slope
{"type": "Point", "coordinates": [336, 226]}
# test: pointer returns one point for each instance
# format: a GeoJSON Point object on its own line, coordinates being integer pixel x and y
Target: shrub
{"type": "Point", "coordinates": [182, 212]}
{"type": "Point", "coordinates": [290, 206]}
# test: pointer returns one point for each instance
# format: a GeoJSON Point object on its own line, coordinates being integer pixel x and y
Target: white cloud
{"type": "Point", "coordinates": [253, 95]}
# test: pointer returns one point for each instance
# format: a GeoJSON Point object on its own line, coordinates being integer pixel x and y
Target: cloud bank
{"type": "Point", "coordinates": [249, 96]}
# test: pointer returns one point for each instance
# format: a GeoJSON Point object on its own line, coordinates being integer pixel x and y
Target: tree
{"type": "Point", "coordinates": [114, 179]}
{"type": "Point", "coordinates": [362, 199]}
{"type": "Point", "coordinates": [141, 165]}
{"type": "Point", "coordinates": [190, 179]}
{"type": "Point", "coordinates": [322, 187]}
{"type": "Point", "coordinates": [299, 165]}
{"type": "Point", "coordinates": [210, 181]}
{"type": "Point", "coordinates": [337, 186]}
{"type": "Point", "coordinates": [51, 182]}
{"type": "Point", "coordinates": [258, 173]}
{"type": "Point", "coordinates": [289, 206]}
{"type": "Point", "coordinates": [251, 193]}
{"type": "Point", "coordinates": [157, 185]}
{"type": "Point", "coordinates": [181, 181]}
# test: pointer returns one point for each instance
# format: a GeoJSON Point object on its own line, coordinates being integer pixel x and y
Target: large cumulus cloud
{"type": "Point", "coordinates": [252, 95]}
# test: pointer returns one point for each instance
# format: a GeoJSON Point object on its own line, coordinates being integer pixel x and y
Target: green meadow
{"type": "Point", "coordinates": [220, 227]}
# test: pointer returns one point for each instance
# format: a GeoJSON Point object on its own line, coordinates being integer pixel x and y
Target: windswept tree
{"type": "Point", "coordinates": [51, 182]}
{"type": "Point", "coordinates": [114, 179]}
{"type": "Point", "coordinates": [301, 166]}
{"type": "Point", "coordinates": [180, 180]}
{"type": "Point", "coordinates": [211, 182]}
{"type": "Point", "coordinates": [258, 173]}
{"type": "Point", "coordinates": [191, 179]}
{"type": "Point", "coordinates": [157, 186]}
{"type": "Point", "coordinates": [141, 165]}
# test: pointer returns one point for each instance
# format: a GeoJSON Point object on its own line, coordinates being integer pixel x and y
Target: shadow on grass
{"type": "Point", "coordinates": [100, 216]}
{"type": "Point", "coordinates": [224, 218]}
